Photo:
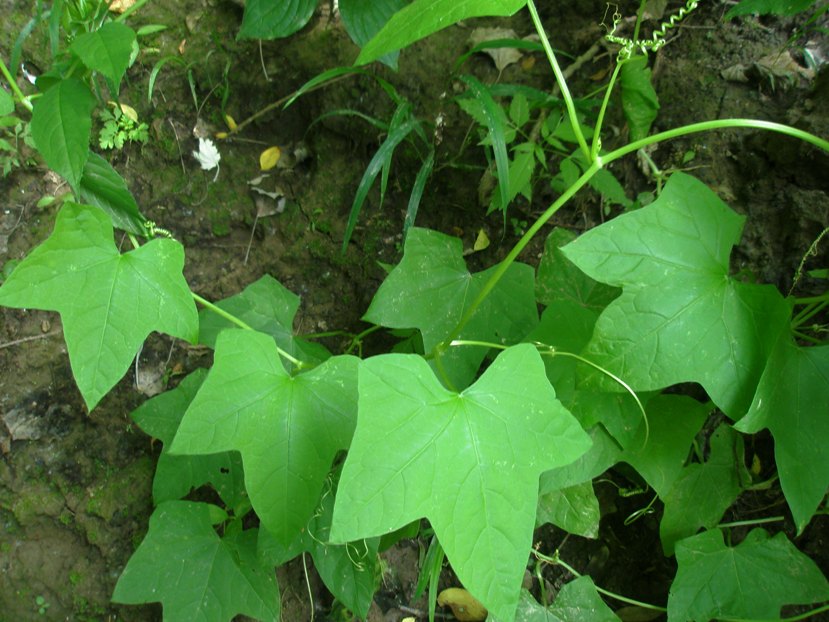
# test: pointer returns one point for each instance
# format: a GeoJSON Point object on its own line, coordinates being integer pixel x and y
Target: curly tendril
{"type": "Point", "coordinates": [657, 39]}
{"type": "Point", "coordinates": [153, 230]}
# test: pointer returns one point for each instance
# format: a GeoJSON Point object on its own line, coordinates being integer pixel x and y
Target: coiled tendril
{"type": "Point", "coordinates": [657, 38]}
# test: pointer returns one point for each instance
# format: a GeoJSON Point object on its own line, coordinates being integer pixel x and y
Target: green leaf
{"type": "Point", "coordinates": [752, 580]}
{"type": "Point", "coordinates": [639, 101]}
{"type": "Point", "coordinates": [380, 161]}
{"type": "Point", "coordinates": [266, 19]}
{"type": "Point", "coordinates": [603, 454]}
{"type": "Point", "coordinates": [519, 110]}
{"type": "Point", "coordinates": [431, 288]}
{"type": "Point", "coordinates": [703, 492]}
{"type": "Point", "coordinates": [788, 402]}
{"type": "Point", "coordinates": [268, 307]}
{"type": "Point", "coordinates": [577, 601]}
{"type": "Point", "coordinates": [61, 125]}
{"type": "Point", "coordinates": [674, 421]}
{"type": "Point", "coordinates": [364, 18]}
{"type": "Point", "coordinates": [287, 428]}
{"type": "Point", "coordinates": [574, 509]}
{"type": "Point", "coordinates": [101, 186]}
{"type": "Point", "coordinates": [469, 462]}
{"type": "Point", "coordinates": [520, 172]}
{"type": "Point", "coordinates": [495, 122]}
{"type": "Point", "coordinates": [106, 50]}
{"type": "Point", "coordinates": [680, 317]}
{"type": "Point", "coordinates": [196, 575]}
{"type": "Point", "coordinates": [769, 7]}
{"type": "Point", "coordinates": [176, 476]}
{"type": "Point", "coordinates": [424, 17]}
{"type": "Point", "coordinates": [351, 571]}
{"type": "Point", "coordinates": [609, 187]}
{"type": "Point", "coordinates": [108, 302]}
{"type": "Point", "coordinates": [6, 103]}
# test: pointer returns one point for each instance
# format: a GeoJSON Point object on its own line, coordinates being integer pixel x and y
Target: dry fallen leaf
{"type": "Point", "coordinates": [503, 57]}
{"type": "Point", "coordinates": [119, 6]}
{"type": "Point", "coordinates": [269, 157]}
{"type": "Point", "coordinates": [481, 242]}
{"type": "Point", "coordinates": [463, 605]}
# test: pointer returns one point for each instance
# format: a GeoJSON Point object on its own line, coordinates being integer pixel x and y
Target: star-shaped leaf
{"type": "Point", "coordinates": [196, 575]}
{"type": "Point", "coordinates": [431, 288]}
{"type": "Point", "coordinates": [108, 302]}
{"type": "Point", "coordinates": [752, 580]}
{"type": "Point", "coordinates": [680, 318]}
{"type": "Point", "coordinates": [703, 492]}
{"type": "Point", "coordinates": [176, 476]}
{"type": "Point", "coordinates": [350, 571]}
{"type": "Point", "coordinates": [267, 306]}
{"type": "Point", "coordinates": [469, 462]}
{"type": "Point", "coordinates": [577, 601]}
{"type": "Point", "coordinates": [287, 428]}
{"type": "Point", "coordinates": [792, 400]}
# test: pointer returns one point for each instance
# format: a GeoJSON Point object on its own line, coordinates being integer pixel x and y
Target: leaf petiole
{"type": "Point", "coordinates": [235, 320]}
{"type": "Point", "coordinates": [557, 561]}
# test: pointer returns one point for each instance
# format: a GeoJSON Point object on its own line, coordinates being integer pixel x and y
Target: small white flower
{"type": "Point", "coordinates": [208, 156]}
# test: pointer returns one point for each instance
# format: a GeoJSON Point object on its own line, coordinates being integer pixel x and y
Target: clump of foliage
{"type": "Point", "coordinates": [495, 420]}
{"type": "Point", "coordinates": [121, 126]}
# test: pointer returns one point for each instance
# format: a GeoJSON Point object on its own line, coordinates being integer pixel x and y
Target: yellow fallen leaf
{"type": "Point", "coordinates": [231, 124]}
{"type": "Point", "coordinates": [463, 605]}
{"type": "Point", "coordinates": [128, 111]}
{"type": "Point", "coordinates": [119, 6]}
{"type": "Point", "coordinates": [481, 242]}
{"type": "Point", "coordinates": [269, 157]}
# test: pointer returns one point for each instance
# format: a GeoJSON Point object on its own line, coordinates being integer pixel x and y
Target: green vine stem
{"type": "Point", "coordinates": [560, 80]}
{"type": "Point", "coordinates": [555, 560]}
{"type": "Point", "coordinates": [749, 523]}
{"type": "Point", "coordinates": [546, 350]}
{"type": "Point", "coordinates": [595, 166]}
{"type": "Point", "coordinates": [15, 89]}
{"type": "Point", "coordinates": [235, 320]}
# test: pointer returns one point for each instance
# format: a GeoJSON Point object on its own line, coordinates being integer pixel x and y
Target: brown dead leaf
{"type": "Point", "coordinates": [502, 57]}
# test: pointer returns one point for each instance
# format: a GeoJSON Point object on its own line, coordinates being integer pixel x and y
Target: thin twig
{"type": "Point", "coordinates": [17, 342]}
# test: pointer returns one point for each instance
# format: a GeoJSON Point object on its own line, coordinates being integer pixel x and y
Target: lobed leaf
{"type": "Point", "coordinates": [61, 125]}
{"type": "Point", "coordinates": [196, 575]}
{"type": "Point", "coordinates": [176, 476]}
{"type": "Point", "coordinates": [108, 302]}
{"type": "Point", "coordinates": [752, 580]}
{"type": "Point", "coordinates": [791, 401]}
{"type": "Point", "coordinates": [680, 318]}
{"type": "Point", "coordinates": [431, 288]}
{"type": "Point", "coordinates": [287, 428]}
{"type": "Point", "coordinates": [574, 509]}
{"type": "Point", "coordinates": [703, 492]}
{"type": "Point", "coordinates": [469, 462]}
{"type": "Point", "coordinates": [268, 307]}
{"type": "Point", "coordinates": [577, 601]}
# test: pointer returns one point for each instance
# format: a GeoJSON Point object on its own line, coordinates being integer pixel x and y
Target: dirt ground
{"type": "Point", "coordinates": [75, 487]}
